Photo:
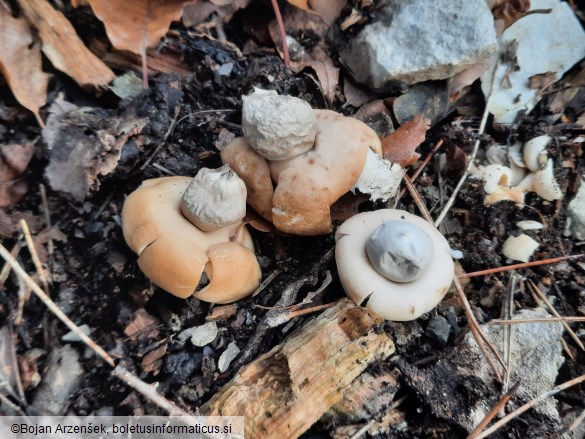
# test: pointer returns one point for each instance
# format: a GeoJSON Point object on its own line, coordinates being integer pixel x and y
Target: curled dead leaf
{"type": "Point", "coordinates": [14, 160]}
{"type": "Point", "coordinates": [329, 11]}
{"type": "Point", "coordinates": [21, 63]}
{"type": "Point", "coordinates": [137, 25]}
{"type": "Point", "coordinates": [399, 147]}
{"type": "Point", "coordinates": [507, 12]}
{"type": "Point", "coordinates": [63, 47]}
{"type": "Point", "coordinates": [325, 70]}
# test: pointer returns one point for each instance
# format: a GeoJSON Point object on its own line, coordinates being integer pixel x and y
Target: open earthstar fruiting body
{"type": "Point", "coordinates": [422, 254]}
{"type": "Point", "coordinates": [174, 253]}
{"type": "Point", "coordinates": [295, 192]}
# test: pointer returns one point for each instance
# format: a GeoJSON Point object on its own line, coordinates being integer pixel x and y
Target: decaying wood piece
{"type": "Point", "coordinates": [283, 392]}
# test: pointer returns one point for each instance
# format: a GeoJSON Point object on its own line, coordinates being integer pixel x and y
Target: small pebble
{"type": "Point", "coordinates": [227, 357]}
{"type": "Point", "coordinates": [204, 334]}
{"type": "Point", "coordinates": [438, 329]}
{"type": "Point", "coordinates": [529, 225]}
{"type": "Point", "coordinates": [73, 336]}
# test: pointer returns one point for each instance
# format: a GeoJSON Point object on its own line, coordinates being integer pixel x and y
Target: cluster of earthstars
{"type": "Point", "coordinates": [291, 165]}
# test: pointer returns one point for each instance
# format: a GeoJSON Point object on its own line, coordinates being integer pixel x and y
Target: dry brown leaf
{"type": "Point", "coordinates": [63, 47]}
{"type": "Point", "coordinates": [399, 147]}
{"type": "Point", "coordinates": [20, 63]}
{"type": "Point", "coordinates": [139, 24]}
{"type": "Point", "coordinates": [329, 11]}
{"type": "Point", "coordinates": [542, 80]}
{"type": "Point", "coordinates": [467, 77]}
{"type": "Point", "coordinates": [13, 162]}
{"type": "Point", "coordinates": [143, 326]}
{"type": "Point", "coordinates": [507, 12]}
{"type": "Point", "coordinates": [85, 144]}
{"type": "Point", "coordinates": [347, 206]}
{"type": "Point", "coordinates": [326, 71]}
{"type": "Point", "coordinates": [153, 361]}
{"type": "Point", "coordinates": [355, 95]}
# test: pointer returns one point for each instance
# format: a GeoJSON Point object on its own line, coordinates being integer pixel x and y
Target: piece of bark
{"type": "Point", "coordinates": [283, 392]}
{"type": "Point", "coordinates": [63, 47]}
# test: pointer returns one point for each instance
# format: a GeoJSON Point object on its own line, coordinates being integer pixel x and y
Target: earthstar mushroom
{"type": "Point", "coordinates": [174, 253]}
{"type": "Point", "coordinates": [412, 268]}
{"type": "Point", "coordinates": [294, 188]}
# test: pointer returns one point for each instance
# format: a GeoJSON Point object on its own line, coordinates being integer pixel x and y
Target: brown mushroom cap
{"type": "Point", "coordinates": [254, 170]}
{"type": "Point", "coordinates": [173, 253]}
{"type": "Point", "coordinates": [308, 184]}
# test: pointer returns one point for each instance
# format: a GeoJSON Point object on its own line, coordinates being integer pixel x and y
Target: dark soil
{"type": "Point", "coordinates": [96, 280]}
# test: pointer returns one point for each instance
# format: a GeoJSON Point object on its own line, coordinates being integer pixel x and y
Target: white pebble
{"type": "Point", "coordinates": [204, 334]}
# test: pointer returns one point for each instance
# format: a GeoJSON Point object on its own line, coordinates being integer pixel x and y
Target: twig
{"type": "Point", "coordinates": [149, 391]}
{"type": "Point", "coordinates": [266, 282]}
{"type": "Point", "coordinates": [358, 434]}
{"type": "Point", "coordinates": [34, 255]}
{"type": "Point", "coordinates": [552, 309]}
{"type": "Point", "coordinates": [566, 349]}
{"type": "Point", "coordinates": [163, 169]}
{"type": "Point", "coordinates": [543, 320]}
{"type": "Point", "coordinates": [121, 373]}
{"type": "Point", "coordinates": [422, 166]}
{"type": "Point", "coordinates": [305, 311]}
{"type": "Point", "coordinates": [529, 405]}
{"type": "Point", "coordinates": [508, 312]}
{"type": "Point", "coordinates": [482, 125]}
{"type": "Point", "coordinates": [52, 307]}
{"type": "Point", "coordinates": [6, 268]}
{"type": "Point", "coordinates": [479, 336]}
{"type": "Point", "coordinates": [494, 411]}
{"type": "Point", "coordinates": [163, 141]}
{"type": "Point", "coordinates": [417, 199]}
{"type": "Point", "coordinates": [282, 33]}
{"type": "Point", "coordinates": [576, 422]}
{"type": "Point", "coordinates": [310, 296]}
{"type": "Point", "coordinates": [47, 214]}
{"type": "Point", "coordinates": [518, 266]}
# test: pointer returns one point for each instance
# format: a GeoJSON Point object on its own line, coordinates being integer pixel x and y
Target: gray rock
{"type": "Point", "coordinates": [464, 374]}
{"type": "Point", "coordinates": [420, 40]}
{"type": "Point", "coordinates": [438, 329]}
{"type": "Point", "coordinates": [577, 213]}
{"type": "Point", "coordinates": [60, 380]}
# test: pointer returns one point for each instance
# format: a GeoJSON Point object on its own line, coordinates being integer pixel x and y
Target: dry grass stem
{"type": "Point", "coordinates": [522, 265]}
{"type": "Point", "coordinates": [52, 307]}
{"type": "Point", "coordinates": [479, 336]}
{"type": "Point", "coordinates": [149, 392]}
{"type": "Point", "coordinates": [266, 282]}
{"type": "Point", "coordinates": [567, 350]}
{"type": "Point", "coordinates": [43, 276]}
{"type": "Point", "coordinates": [482, 125]}
{"type": "Point", "coordinates": [282, 33]}
{"type": "Point", "coordinates": [47, 214]}
{"type": "Point", "coordinates": [6, 268]}
{"type": "Point", "coordinates": [417, 199]}
{"type": "Point", "coordinates": [119, 372]}
{"type": "Point", "coordinates": [305, 311]}
{"type": "Point", "coordinates": [552, 309]}
{"type": "Point", "coordinates": [529, 405]}
{"type": "Point", "coordinates": [421, 168]}
{"type": "Point", "coordinates": [494, 411]}
{"type": "Point", "coordinates": [576, 422]}
{"type": "Point", "coordinates": [543, 320]}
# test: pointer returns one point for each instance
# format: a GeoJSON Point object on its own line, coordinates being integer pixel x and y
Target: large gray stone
{"type": "Point", "coordinates": [420, 40]}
